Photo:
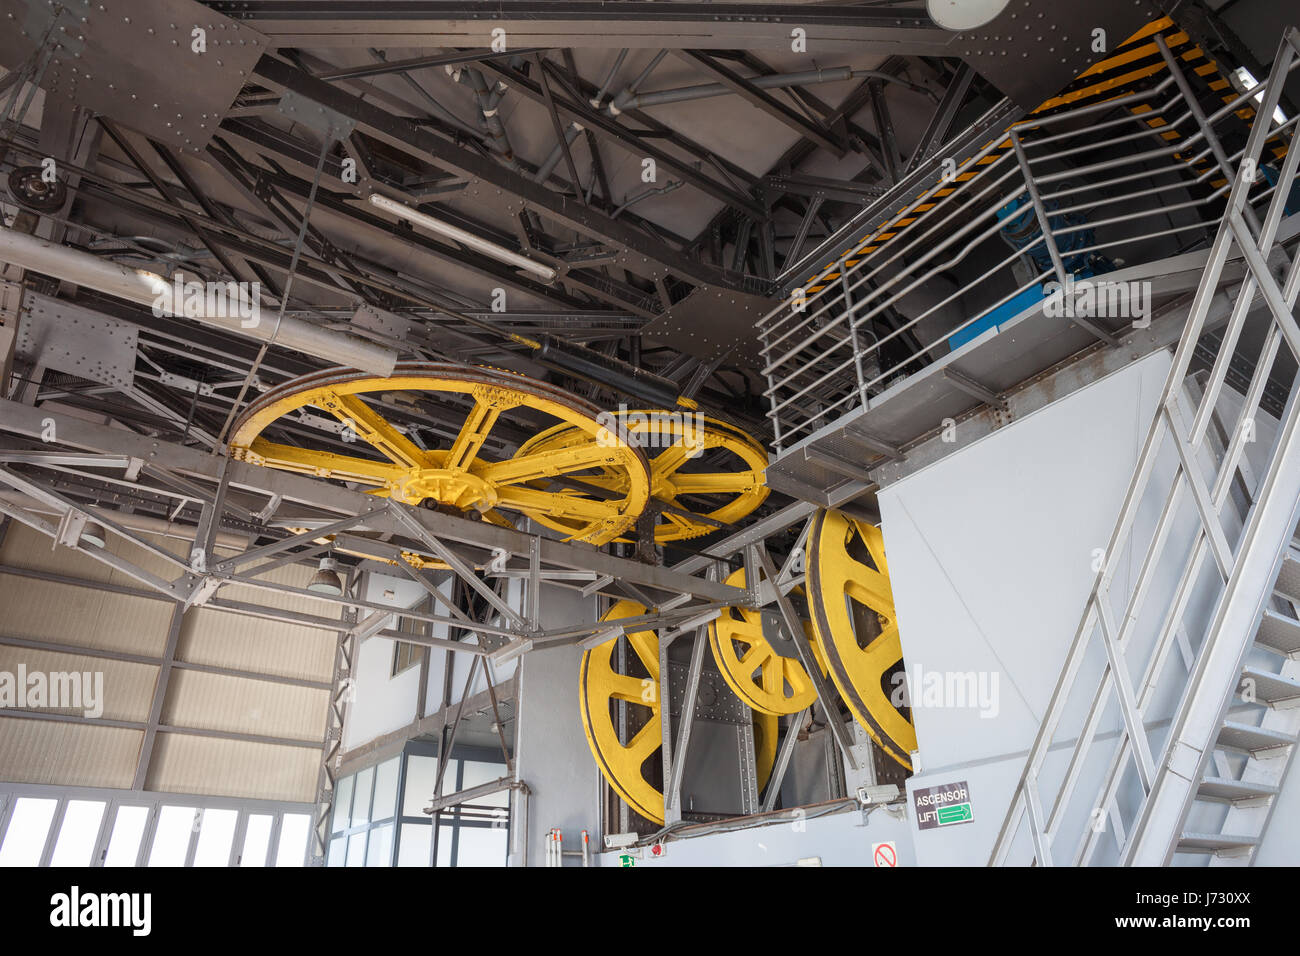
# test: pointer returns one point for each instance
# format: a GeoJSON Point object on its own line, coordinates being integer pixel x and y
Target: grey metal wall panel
{"type": "Point", "coordinates": [551, 753]}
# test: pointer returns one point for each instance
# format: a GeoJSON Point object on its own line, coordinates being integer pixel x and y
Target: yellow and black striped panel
{"type": "Point", "coordinates": [1134, 66]}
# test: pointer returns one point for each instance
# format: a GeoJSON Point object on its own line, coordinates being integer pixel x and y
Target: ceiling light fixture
{"type": "Point", "coordinates": [500, 253]}
{"type": "Point", "coordinates": [326, 579]}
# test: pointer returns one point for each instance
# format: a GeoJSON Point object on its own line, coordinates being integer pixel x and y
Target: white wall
{"type": "Point", "coordinates": [551, 752]}
{"type": "Point", "coordinates": [383, 702]}
{"type": "Point", "coordinates": [990, 555]}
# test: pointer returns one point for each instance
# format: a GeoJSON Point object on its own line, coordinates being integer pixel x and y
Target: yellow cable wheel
{"type": "Point", "coordinates": [460, 475]}
{"type": "Point", "coordinates": [763, 679]}
{"type": "Point", "coordinates": [853, 616]}
{"type": "Point", "coordinates": [634, 769]}
{"type": "Point", "coordinates": [707, 473]}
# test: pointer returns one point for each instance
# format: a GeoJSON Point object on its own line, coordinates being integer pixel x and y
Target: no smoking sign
{"type": "Point", "coordinates": [884, 854]}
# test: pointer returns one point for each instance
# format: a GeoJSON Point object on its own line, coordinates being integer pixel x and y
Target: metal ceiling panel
{"type": "Point", "coordinates": [222, 639]}
{"type": "Point", "coordinates": [243, 705]}
{"type": "Point", "coordinates": [78, 341]}
{"type": "Point", "coordinates": [77, 755]}
{"type": "Point", "coordinates": [232, 768]}
{"type": "Point", "coordinates": [127, 689]}
{"type": "Point", "coordinates": [1034, 48]}
{"type": "Point", "coordinates": [137, 62]}
{"type": "Point", "coordinates": [66, 614]}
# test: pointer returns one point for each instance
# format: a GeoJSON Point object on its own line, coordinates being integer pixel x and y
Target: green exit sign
{"type": "Point", "coordinates": [958, 813]}
{"type": "Point", "coordinates": [942, 806]}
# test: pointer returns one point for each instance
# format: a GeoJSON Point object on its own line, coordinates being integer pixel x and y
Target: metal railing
{"type": "Point", "coordinates": [1028, 209]}
{"type": "Point", "coordinates": [1156, 659]}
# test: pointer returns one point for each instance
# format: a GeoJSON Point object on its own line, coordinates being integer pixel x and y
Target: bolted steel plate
{"type": "Point", "coordinates": [1034, 48]}
{"type": "Point", "coordinates": [136, 63]}
{"type": "Point", "coordinates": [710, 323]}
{"type": "Point", "coordinates": [69, 338]}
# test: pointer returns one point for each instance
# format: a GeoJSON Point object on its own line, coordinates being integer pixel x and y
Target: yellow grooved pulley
{"type": "Point", "coordinates": [846, 566]}
{"type": "Point", "coordinates": [763, 679]}
{"type": "Point", "coordinates": [679, 438]}
{"type": "Point", "coordinates": [625, 766]}
{"type": "Point", "coordinates": [458, 476]}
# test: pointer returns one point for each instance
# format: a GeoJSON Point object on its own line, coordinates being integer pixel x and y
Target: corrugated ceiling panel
{"type": "Point", "coordinates": [78, 755]}
{"type": "Point", "coordinates": [127, 687]}
{"type": "Point", "coordinates": [25, 547]}
{"type": "Point", "coordinates": [185, 764]}
{"type": "Point", "coordinates": [67, 614]}
{"type": "Point", "coordinates": [218, 702]}
{"type": "Point", "coordinates": [248, 643]}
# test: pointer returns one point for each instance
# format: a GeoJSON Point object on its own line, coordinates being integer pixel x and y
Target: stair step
{"type": "Point", "coordinates": [1250, 739]}
{"type": "Point", "coordinates": [1223, 788]}
{"type": "Point", "coordinates": [1210, 842]}
{"type": "Point", "coordinates": [1270, 688]}
{"type": "Point", "coordinates": [1278, 634]}
{"type": "Point", "coordinates": [1288, 579]}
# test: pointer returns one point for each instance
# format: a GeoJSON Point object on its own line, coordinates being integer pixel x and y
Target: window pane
{"type": "Point", "coordinates": [420, 774]}
{"type": "Point", "coordinates": [171, 839]}
{"type": "Point", "coordinates": [218, 830]}
{"type": "Point", "coordinates": [414, 848]}
{"type": "Point", "coordinates": [481, 846]}
{"type": "Point", "coordinates": [76, 841]}
{"type": "Point", "coordinates": [28, 827]}
{"type": "Point", "coordinates": [445, 836]}
{"type": "Point", "coordinates": [385, 790]}
{"type": "Point", "coordinates": [381, 845]}
{"type": "Point", "coordinates": [257, 840]}
{"type": "Point", "coordinates": [361, 797]}
{"type": "Point", "coordinates": [128, 828]}
{"type": "Point", "coordinates": [342, 804]}
{"type": "Point", "coordinates": [357, 849]}
{"type": "Point", "coordinates": [295, 828]}
{"type": "Point", "coordinates": [338, 851]}
{"type": "Point", "coordinates": [477, 772]}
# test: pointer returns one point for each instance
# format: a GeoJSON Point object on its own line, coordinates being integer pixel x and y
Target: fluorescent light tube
{"type": "Point", "coordinates": [500, 253]}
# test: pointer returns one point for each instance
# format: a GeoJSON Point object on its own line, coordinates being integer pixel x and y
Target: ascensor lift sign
{"type": "Point", "coordinates": [942, 806]}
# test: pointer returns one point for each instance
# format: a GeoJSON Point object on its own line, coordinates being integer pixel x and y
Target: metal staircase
{"type": "Point", "coordinates": [1175, 718]}
{"type": "Point", "coordinates": [1255, 743]}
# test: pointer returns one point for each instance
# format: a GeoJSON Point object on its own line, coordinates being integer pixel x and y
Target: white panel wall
{"type": "Point", "coordinates": [382, 702]}
{"type": "Point", "coordinates": [990, 554]}
{"type": "Point", "coordinates": [551, 752]}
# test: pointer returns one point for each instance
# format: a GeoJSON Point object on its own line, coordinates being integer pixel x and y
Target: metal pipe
{"type": "Point", "coordinates": [488, 108]}
{"type": "Point", "coordinates": [149, 289]}
{"type": "Point", "coordinates": [548, 166]}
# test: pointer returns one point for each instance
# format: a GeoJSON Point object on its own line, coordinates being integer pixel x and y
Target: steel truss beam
{"type": "Point", "coordinates": [630, 24]}
{"type": "Point", "coordinates": [608, 128]}
{"type": "Point", "coordinates": [404, 135]}
{"type": "Point", "coordinates": [472, 541]}
{"type": "Point", "coordinates": [768, 103]}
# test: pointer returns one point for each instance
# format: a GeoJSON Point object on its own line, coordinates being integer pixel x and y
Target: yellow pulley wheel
{"type": "Point", "coordinates": [853, 616]}
{"type": "Point", "coordinates": [461, 475]}
{"type": "Point", "coordinates": [699, 497]}
{"type": "Point", "coordinates": [762, 678]}
{"type": "Point", "coordinates": [634, 768]}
